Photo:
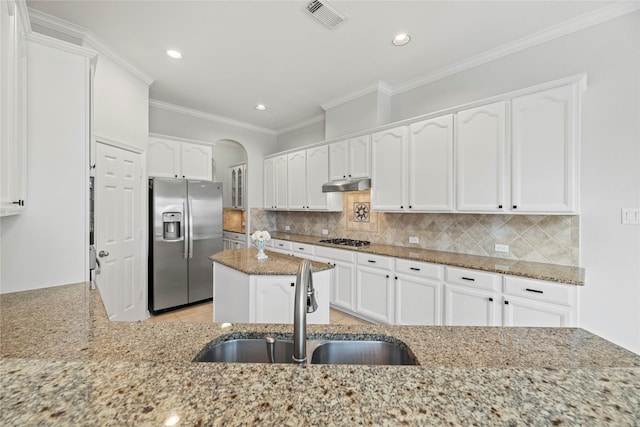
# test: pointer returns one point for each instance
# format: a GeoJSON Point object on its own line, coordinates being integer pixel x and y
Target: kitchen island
{"type": "Point", "coordinates": [251, 290]}
{"type": "Point", "coordinates": [64, 363]}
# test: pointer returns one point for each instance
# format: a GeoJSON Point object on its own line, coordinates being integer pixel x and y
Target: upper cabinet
{"type": "Point", "coordinates": [13, 111]}
{"type": "Point", "coordinates": [275, 182]}
{"type": "Point", "coordinates": [176, 159]}
{"type": "Point", "coordinates": [388, 166]}
{"type": "Point", "coordinates": [544, 151]}
{"type": "Point", "coordinates": [307, 170]}
{"type": "Point", "coordinates": [237, 180]}
{"type": "Point", "coordinates": [350, 158]}
{"type": "Point", "coordinates": [481, 153]}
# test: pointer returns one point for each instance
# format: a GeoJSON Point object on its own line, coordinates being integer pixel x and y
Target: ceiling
{"type": "Point", "coordinates": [241, 53]}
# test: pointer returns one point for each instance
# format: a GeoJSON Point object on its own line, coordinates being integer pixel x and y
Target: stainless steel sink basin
{"type": "Point", "coordinates": [345, 349]}
{"type": "Point", "coordinates": [349, 352]}
{"type": "Point", "coordinates": [247, 350]}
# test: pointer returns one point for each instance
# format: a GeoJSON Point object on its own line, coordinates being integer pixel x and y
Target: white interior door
{"type": "Point", "coordinates": [118, 228]}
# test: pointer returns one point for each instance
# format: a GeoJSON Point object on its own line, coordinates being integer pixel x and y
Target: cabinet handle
{"type": "Point", "coordinates": [515, 206]}
{"type": "Point", "coordinates": [396, 278]}
{"type": "Point", "coordinates": [499, 206]}
{"type": "Point", "coordinates": [293, 284]}
{"type": "Point", "coordinates": [490, 299]}
{"type": "Point", "coordinates": [349, 175]}
{"type": "Point", "coordinates": [410, 207]}
{"type": "Point", "coordinates": [414, 269]}
{"type": "Point", "coordinates": [534, 290]}
{"type": "Point", "coordinates": [468, 278]}
{"type": "Point", "coordinates": [506, 303]}
{"type": "Point", "coordinates": [371, 261]}
{"type": "Point", "coordinates": [387, 276]}
{"type": "Point", "coordinates": [302, 249]}
{"type": "Point", "coordinates": [401, 207]}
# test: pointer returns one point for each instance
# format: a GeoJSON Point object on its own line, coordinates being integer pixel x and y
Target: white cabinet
{"type": "Point", "coordinates": [231, 240]}
{"type": "Point", "coordinates": [472, 298]}
{"type": "Point", "coordinates": [350, 158]}
{"type": "Point", "coordinates": [430, 165]}
{"type": "Point", "coordinates": [281, 246]}
{"type": "Point", "coordinates": [307, 170]}
{"type": "Point", "coordinates": [418, 288]}
{"type": "Point", "coordinates": [388, 166]}
{"type": "Point", "coordinates": [176, 159]}
{"type": "Point", "coordinates": [343, 291]}
{"type": "Point", "coordinates": [237, 180]}
{"type": "Point", "coordinates": [274, 299]}
{"type": "Point", "coordinates": [529, 302]}
{"type": "Point", "coordinates": [13, 111]}
{"type": "Point", "coordinates": [375, 287]}
{"type": "Point", "coordinates": [303, 250]}
{"type": "Point", "coordinates": [275, 182]}
{"type": "Point", "coordinates": [481, 155]}
{"type": "Point", "coordinates": [544, 151]}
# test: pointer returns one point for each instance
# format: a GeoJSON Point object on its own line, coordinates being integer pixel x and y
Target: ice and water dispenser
{"type": "Point", "coordinates": [171, 226]}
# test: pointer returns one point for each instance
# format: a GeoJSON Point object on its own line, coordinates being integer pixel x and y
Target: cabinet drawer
{"type": "Point", "coordinates": [377, 261]}
{"type": "Point", "coordinates": [335, 254]}
{"type": "Point", "coordinates": [421, 269]}
{"type": "Point", "coordinates": [473, 278]}
{"type": "Point", "coordinates": [540, 290]}
{"type": "Point", "coordinates": [302, 248]}
{"type": "Point", "coordinates": [239, 237]}
{"type": "Point", "coordinates": [281, 244]}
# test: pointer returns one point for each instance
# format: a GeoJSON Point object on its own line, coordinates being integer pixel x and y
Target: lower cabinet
{"type": "Point", "coordinates": [375, 287]}
{"type": "Point", "coordinates": [232, 240]}
{"type": "Point", "coordinates": [274, 298]}
{"type": "Point", "coordinates": [465, 306]}
{"type": "Point", "coordinates": [418, 293]}
{"type": "Point", "coordinates": [281, 246]}
{"type": "Point", "coordinates": [343, 287]}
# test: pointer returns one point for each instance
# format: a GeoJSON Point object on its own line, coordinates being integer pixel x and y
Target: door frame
{"type": "Point", "coordinates": [144, 196]}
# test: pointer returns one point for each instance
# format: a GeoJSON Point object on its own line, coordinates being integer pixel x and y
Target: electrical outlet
{"type": "Point", "coordinates": [630, 216]}
{"type": "Point", "coordinates": [287, 228]}
{"type": "Point", "coordinates": [502, 248]}
{"type": "Point", "coordinates": [325, 232]}
{"type": "Point", "coordinates": [414, 239]}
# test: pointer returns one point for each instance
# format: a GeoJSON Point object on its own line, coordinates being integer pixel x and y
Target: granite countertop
{"type": "Point", "coordinates": [64, 363]}
{"type": "Point", "coordinates": [245, 261]}
{"type": "Point", "coordinates": [534, 270]}
{"type": "Point", "coordinates": [234, 229]}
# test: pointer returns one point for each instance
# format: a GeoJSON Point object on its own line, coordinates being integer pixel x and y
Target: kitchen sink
{"type": "Point", "coordinates": [343, 349]}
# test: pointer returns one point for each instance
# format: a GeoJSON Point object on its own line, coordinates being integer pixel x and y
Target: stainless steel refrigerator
{"type": "Point", "coordinates": [185, 229]}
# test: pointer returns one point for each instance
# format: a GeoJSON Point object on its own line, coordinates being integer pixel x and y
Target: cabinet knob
{"type": "Point", "coordinates": [387, 276]}
{"type": "Point", "coordinates": [349, 175]}
{"type": "Point", "coordinates": [506, 303]}
{"type": "Point", "coordinates": [490, 299]}
{"type": "Point", "coordinates": [515, 206]}
{"type": "Point", "coordinates": [293, 284]}
{"type": "Point", "coordinates": [410, 207]}
{"type": "Point", "coordinates": [499, 206]}
{"type": "Point", "coordinates": [401, 207]}
{"type": "Point", "coordinates": [344, 176]}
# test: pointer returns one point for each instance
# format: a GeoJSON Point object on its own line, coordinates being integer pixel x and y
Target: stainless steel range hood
{"type": "Point", "coordinates": [343, 185]}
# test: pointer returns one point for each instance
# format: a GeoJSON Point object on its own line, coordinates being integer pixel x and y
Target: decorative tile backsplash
{"type": "Point", "coordinates": [551, 239]}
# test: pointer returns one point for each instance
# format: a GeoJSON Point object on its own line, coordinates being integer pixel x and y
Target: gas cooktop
{"type": "Point", "coordinates": [347, 242]}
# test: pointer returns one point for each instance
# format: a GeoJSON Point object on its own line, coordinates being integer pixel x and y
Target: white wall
{"type": "Point", "coordinates": [300, 137]}
{"type": "Point", "coordinates": [47, 244]}
{"type": "Point", "coordinates": [120, 105]}
{"type": "Point", "coordinates": [358, 114]}
{"type": "Point", "coordinates": [257, 144]}
{"type": "Point", "coordinates": [610, 154]}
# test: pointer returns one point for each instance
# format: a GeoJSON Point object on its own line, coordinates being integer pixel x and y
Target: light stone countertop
{"type": "Point", "coordinates": [64, 363]}
{"type": "Point", "coordinates": [534, 270]}
{"type": "Point", "coordinates": [245, 260]}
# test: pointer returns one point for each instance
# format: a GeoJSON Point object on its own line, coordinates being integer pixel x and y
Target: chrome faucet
{"type": "Point", "coordinates": [305, 302]}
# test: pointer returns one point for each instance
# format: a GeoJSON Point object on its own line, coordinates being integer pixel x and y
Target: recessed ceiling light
{"type": "Point", "coordinates": [174, 54]}
{"type": "Point", "coordinates": [401, 39]}
{"type": "Point", "coordinates": [261, 107]}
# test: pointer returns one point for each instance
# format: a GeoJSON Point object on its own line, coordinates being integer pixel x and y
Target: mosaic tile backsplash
{"type": "Point", "coordinates": [550, 239]}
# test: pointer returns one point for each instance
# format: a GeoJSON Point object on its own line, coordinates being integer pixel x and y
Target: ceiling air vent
{"type": "Point", "coordinates": [326, 13]}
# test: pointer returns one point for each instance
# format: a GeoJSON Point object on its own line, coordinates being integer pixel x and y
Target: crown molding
{"type": "Point", "coordinates": [85, 36]}
{"type": "Point", "coordinates": [207, 116]}
{"type": "Point", "coordinates": [23, 11]}
{"type": "Point", "coordinates": [580, 23]}
{"type": "Point", "coordinates": [179, 139]}
{"type": "Point", "coordinates": [381, 87]}
{"type": "Point", "coordinates": [61, 45]}
{"type": "Point", "coordinates": [303, 123]}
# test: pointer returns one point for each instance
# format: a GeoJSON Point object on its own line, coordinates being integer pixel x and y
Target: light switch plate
{"type": "Point", "coordinates": [631, 215]}
{"type": "Point", "coordinates": [325, 232]}
{"type": "Point", "coordinates": [287, 228]}
{"type": "Point", "coordinates": [502, 248]}
{"type": "Point", "coordinates": [414, 239]}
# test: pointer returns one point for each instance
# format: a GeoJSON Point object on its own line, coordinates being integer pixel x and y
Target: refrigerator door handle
{"type": "Point", "coordinates": [185, 252]}
{"type": "Point", "coordinates": [190, 227]}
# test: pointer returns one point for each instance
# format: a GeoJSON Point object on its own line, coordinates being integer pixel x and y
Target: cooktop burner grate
{"type": "Point", "coordinates": [347, 242]}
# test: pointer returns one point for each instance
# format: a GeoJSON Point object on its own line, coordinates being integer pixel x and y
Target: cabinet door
{"type": "Point", "coordinates": [527, 312]}
{"type": "Point", "coordinates": [418, 301]}
{"type": "Point", "coordinates": [297, 185]}
{"type": "Point", "coordinates": [318, 174]}
{"type": "Point", "coordinates": [241, 182]}
{"type": "Point", "coordinates": [359, 157]}
{"type": "Point", "coordinates": [163, 158]}
{"type": "Point", "coordinates": [543, 141]}
{"type": "Point", "coordinates": [344, 285]}
{"type": "Point", "coordinates": [196, 161]}
{"type": "Point", "coordinates": [338, 160]}
{"type": "Point", "coordinates": [481, 158]}
{"type": "Point", "coordinates": [375, 294]}
{"type": "Point", "coordinates": [269, 183]}
{"type": "Point", "coordinates": [431, 165]}
{"type": "Point", "coordinates": [389, 169]}
{"type": "Point", "coordinates": [233, 179]}
{"type": "Point", "coordinates": [471, 307]}
{"type": "Point", "coordinates": [274, 299]}
{"type": "Point", "coordinates": [281, 182]}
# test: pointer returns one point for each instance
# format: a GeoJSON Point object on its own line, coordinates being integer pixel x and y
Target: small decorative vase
{"type": "Point", "coordinates": [260, 244]}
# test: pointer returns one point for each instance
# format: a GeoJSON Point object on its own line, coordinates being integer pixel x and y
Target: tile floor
{"type": "Point", "coordinates": [203, 313]}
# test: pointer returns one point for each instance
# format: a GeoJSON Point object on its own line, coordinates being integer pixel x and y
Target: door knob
{"type": "Point", "coordinates": [103, 254]}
